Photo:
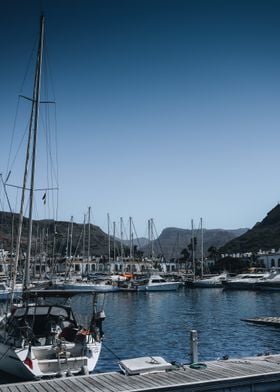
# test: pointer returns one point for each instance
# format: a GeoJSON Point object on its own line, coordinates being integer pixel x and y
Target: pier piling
{"type": "Point", "coordinates": [194, 342]}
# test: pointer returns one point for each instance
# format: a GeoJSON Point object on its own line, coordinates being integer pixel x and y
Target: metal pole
{"type": "Point", "coordinates": [109, 238]}
{"type": "Point", "coordinates": [194, 342]}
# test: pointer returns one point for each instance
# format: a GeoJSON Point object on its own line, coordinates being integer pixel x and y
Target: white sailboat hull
{"type": "Point", "coordinates": [45, 362]}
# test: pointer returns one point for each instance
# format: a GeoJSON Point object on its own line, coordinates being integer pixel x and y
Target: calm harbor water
{"type": "Point", "coordinates": [159, 323]}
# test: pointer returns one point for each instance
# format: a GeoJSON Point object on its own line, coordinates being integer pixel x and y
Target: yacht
{"type": "Point", "coordinates": [244, 281]}
{"type": "Point", "coordinates": [269, 283]}
{"type": "Point", "coordinates": [158, 283]}
{"type": "Point", "coordinates": [209, 282]}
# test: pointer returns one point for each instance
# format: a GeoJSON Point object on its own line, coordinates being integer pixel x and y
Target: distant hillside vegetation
{"type": "Point", "coordinates": [264, 235]}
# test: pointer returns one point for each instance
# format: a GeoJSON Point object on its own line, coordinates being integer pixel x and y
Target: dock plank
{"type": "Point", "coordinates": [218, 375]}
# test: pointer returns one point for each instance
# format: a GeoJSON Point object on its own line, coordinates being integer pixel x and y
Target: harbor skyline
{"type": "Point", "coordinates": [165, 109]}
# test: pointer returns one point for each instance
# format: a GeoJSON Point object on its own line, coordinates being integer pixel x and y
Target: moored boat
{"type": "Point", "coordinates": [269, 283]}
{"type": "Point", "coordinates": [244, 281]}
{"type": "Point", "coordinates": [209, 282]}
{"type": "Point", "coordinates": [42, 337]}
{"type": "Point", "coordinates": [158, 283]}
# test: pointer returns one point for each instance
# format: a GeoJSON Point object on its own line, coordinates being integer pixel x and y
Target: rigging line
{"type": "Point", "coordinates": [158, 240]}
{"type": "Point", "coordinates": [17, 107]}
{"type": "Point", "coordinates": [13, 136]}
{"type": "Point", "coordinates": [78, 243]}
{"type": "Point", "coordinates": [48, 67]}
{"type": "Point", "coordinates": [19, 147]}
{"type": "Point", "coordinates": [111, 351]}
{"type": "Point", "coordinates": [138, 242]}
{"type": "Point", "coordinates": [6, 194]}
{"type": "Point", "coordinates": [28, 63]}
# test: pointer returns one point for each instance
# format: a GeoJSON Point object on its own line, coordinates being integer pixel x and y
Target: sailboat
{"type": "Point", "coordinates": [45, 336]}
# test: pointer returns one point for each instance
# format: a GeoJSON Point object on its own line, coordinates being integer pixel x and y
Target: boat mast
{"type": "Point", "coordinates": [33, 128]}
{"type": "Point", "coordinates": [114, 239]}
{"type": "Point", "coordinates": [68, 273]}
{"type": "Point", "coordinates": [109, 239]}
{"type": "Point", "coordinates": [130, 238]}
{"type": "Point", "coordinates": [88, 239]}
{"type": "Point", "coordinates": [193, 254]}
{"type": "Point", "coordinates": [121, 226]}
{"type": "Point", "coordinates": [202, 250]}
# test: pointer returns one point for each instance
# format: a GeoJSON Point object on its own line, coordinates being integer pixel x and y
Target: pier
{"type": "Point", "coordinates": [246, 374]}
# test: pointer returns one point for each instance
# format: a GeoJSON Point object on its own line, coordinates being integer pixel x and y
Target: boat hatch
{"type": "Point", "coordinates": [143, 365]}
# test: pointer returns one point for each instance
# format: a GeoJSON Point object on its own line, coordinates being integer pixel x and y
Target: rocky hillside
{"type": "Point", "coordinates": [264, 235]}
{"type": "Point", "coordinates": [172, 241]}
{"type": "Point", "coordinates": [43, 236]}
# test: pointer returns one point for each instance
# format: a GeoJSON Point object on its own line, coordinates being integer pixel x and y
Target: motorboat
{"type": "Point", "coordinates": [157, 283]}
{"type": "Point", "coordinates": [244, 281]}
{"type": "Point", "coordinates": [102, 285]}
{"type": "Point", "coordinates": [209, 282]}
{"type": "Point", "coordinates": [269, 283]}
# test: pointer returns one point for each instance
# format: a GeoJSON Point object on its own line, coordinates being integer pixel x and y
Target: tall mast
{"type": "Point", "coordinates": [109, 239]}
{"type": "Point", "coordinates": [88, 239]}
{"type": "Point", "coordinates": [68, 273]}
{"type": "Point", "coordinates": [202, 250]}
{"type": "Point", "coordinates": [71, 239]}
{"type": "Point", "coordinates": [193, 254]}
{"type": "Point", "coordinates": [121, 224]}
{"type": "Point", "coordinates": [32, 139]}
{"type": "Point", "coordinates": [130, 238]}
{"type": "Point", "coordinates": [84, 237]}
{"type": "Point", "coordinates": [114, 239]}
{"type": "Point", "coordinates": [152, 236]}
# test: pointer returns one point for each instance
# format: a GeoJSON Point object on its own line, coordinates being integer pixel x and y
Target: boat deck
{"type": "Point", "coordinates": [273, 321]}
{"type": "Point", "coordinates": [247, 374]}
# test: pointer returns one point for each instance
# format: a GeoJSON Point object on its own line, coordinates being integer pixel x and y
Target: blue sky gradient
{"type": "Point", "coordinates": [165, 109]}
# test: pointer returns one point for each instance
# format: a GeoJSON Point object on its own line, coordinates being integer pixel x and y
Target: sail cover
{"type": "Point", "coordinates": [83, 308]}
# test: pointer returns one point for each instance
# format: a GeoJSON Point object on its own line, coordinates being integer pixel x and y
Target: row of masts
{"type": "Point", "coordinates": [111, 237]}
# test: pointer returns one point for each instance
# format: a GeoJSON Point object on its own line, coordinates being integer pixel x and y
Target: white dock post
{"type": "Point", "coordinates": [194, 351]}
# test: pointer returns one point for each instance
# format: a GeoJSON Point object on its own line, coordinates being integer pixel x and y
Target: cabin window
{"type": "Point", "coordinates": [272, 263]}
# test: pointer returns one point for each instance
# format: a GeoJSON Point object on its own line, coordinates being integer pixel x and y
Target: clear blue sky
{"type": "Point", "coordinates": [166, 109]}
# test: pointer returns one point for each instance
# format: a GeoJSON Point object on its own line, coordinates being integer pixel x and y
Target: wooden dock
{"type": "Point", "coordinates": [258, 374]}
{"type": "Point", "coordinates": [273, 321]}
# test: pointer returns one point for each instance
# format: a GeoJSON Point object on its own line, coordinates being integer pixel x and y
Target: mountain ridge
{"type": "Point", "coordinates": [264, 235]}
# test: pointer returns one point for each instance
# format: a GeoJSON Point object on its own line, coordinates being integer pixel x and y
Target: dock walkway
{"type": "Point", "coordinates": [247, 374]}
